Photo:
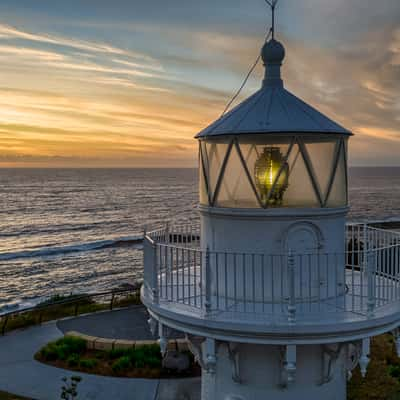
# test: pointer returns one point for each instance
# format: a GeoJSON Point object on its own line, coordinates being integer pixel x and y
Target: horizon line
{"type": "Point", "coordinates": [165, 167]}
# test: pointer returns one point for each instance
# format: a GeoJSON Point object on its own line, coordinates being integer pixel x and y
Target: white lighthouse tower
{"type": "Point", "coordinates": [277, 294]}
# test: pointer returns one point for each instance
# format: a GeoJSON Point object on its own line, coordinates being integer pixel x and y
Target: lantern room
{"type": "Point", "coordinates": [273, 151]}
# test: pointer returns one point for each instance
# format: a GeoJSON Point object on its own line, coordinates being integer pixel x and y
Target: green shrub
{"type": "Point", "coordinates": [151, 350]}
{"type": "Point", "coordinates": [63, 348]}
{"type": "Point", "coordinates": [117, 353]}
{"type": "Point", "coordinates": [122, 364]}
{"type": "Point", "coordinates": [73, 360]}
{"type": "Point", "coordinates": [394, 371]}
{"type": "Point", "coordinates": [72, 344]}
{"type": "Point", "coordinates": [49, 352]}
{"type": "Point", "coordinates": [100, 355]}
{"type": "Point", "coordinates": [62, 352]}
{"type": "Point", "coordinates": [138, 357]}
{"type": "Point", "coordinates": [89, 363]}
{"type": "Point", "coordinates": [143, 356]}
{"type": "Point", "coordinates": [153, 362]}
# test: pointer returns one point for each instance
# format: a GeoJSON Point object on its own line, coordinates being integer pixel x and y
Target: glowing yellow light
{"type": "Point", "coordinates": [271, 175]}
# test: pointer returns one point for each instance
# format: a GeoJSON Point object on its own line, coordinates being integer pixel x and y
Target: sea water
{"type": "Point", "coordinates": [76, 230]}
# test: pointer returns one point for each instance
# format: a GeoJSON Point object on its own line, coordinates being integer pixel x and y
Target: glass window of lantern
{"type": "Point", "coordinates": [338, 194]}
{"type": "Point", "coordinates": [275, 172]}
{"type": "Point", "coordinates": [323, 156]}
{"type": "Point", "coordinates": [236, 189]}
{"type": "Point", "coordinates": [264, 159]}
{"type": "Point", "coordinates": [300, 190]}
{"type": "Point", "coordinates": [213, 156]}
{"type": "Point", "coordinates": [202, 184]}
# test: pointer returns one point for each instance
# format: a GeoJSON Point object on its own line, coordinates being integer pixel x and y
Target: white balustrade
{"type": "Point", "coordinates": [288, 287]}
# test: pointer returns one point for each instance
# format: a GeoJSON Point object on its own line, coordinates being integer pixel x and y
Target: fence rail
{"type": "Point", "coordinates": [72, 305]}
{"type": "Point", "coordinates": [362, 279]}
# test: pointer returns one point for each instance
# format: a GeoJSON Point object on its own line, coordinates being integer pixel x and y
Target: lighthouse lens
{"type": "Point", "coordinates": [271, 173]}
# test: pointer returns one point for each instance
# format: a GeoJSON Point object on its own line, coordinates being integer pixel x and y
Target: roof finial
{"type": "Point", "coordinates": [273, 54]}
{"type": "Point", "coordinates": [272, 4]}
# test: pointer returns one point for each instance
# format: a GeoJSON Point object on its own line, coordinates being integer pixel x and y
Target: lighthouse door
{"type": "Point", "coordinates": [302, 239]}
{"type": "Point", "coordinates": [303, 242]}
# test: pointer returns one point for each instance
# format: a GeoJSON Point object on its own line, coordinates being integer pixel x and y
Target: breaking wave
{"type": "Point", "coordinates": [57, 250]}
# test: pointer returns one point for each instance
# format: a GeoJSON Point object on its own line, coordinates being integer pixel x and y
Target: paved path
{"type": "Point", "coordinates": [128, 324]}
{"type": "Point", "coordinates": [22, 375]}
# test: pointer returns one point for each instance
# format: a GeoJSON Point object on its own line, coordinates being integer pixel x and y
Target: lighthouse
{"type": "Point", "coordinates": [278, 294]}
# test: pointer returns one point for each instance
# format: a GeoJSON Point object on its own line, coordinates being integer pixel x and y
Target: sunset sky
{"type": "Point", "coordinates": [128, 83]}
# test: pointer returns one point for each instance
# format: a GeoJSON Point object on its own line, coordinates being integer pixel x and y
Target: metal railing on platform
{"type": "Point", "coordinates": [362, 279]}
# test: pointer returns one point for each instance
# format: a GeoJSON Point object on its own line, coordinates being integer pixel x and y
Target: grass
{"type": "Point", "coordinates": [144, 362]}
{"type": "Point", "coordinates": [382, 381]}
{"type": "Point", "coordinates": [49, 310]}
{"type": "Point", "coordinates": [9, 396]}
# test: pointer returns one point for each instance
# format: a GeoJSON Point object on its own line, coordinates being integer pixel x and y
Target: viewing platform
{"type": "Point", "coordinates": [275, 297]}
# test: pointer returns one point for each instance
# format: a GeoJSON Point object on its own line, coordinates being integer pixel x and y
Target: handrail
{"type": "Point", "coordinates": [361, 278]}
{"type": "Point", "coordinates": [70, 300]}
{"type": "Point", "coordinates": [169, 235]}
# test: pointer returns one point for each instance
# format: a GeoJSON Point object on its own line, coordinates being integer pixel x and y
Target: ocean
{"type": "Point", "coordinates": [76, 230]}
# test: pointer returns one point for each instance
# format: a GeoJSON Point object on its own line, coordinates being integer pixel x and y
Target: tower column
{"type": "Point", "coordinates": [256, 372]}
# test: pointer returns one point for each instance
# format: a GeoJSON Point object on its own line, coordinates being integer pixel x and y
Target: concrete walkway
{"type": "Point", "coordinates": [127, 323]}
{"type": "Point", "coordinates": [22, 375]}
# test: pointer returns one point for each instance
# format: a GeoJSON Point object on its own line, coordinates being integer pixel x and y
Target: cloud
{"type": "Point", "coordinates": [14, 33]}
{"type": "Point", "coordinates": [143, 95]}
{"type": "Point", "coordinates": [92, 67]}
{"type": "Point", "coordinates": [31, 53]}
{"type": "Point", "coordinates": [137, 65]}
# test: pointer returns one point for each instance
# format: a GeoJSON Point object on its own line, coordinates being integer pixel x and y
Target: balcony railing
{"type": "Point", "coordinates": [280, 287]}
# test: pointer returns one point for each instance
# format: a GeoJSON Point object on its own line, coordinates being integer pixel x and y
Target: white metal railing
{"type": "Point", "coordinates": [360, 280]}
{"type": "Point", "coordinates": [187, 235]}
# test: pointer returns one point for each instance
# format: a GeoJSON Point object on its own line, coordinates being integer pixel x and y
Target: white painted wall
{"type": "Point", "coordinates": [316, 237]}
{"type": "Point", "coordinates": [262, 378]}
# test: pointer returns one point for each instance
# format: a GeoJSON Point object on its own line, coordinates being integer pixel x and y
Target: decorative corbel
{"type": "Point", "coordinates": [211, 356]}
{"type": "Point", "coordinates": [364, 359]}
{"type": "Point", "coordinates": [330, 354]}
{"type": "Point", "coordinates": [233, 352]}
{"type": "Point", "coordinates": [195, 347]}
{"type": "Point", "coordinates": [288, 365]}
{"type": "Point", "coordinates": [152, 325]}
{"type": "Point", "coordinates": [396, 335]}
{"type": "Point", "coordinates": [353, 357]}
{"type": "Point", "coordinates": [163, 341]}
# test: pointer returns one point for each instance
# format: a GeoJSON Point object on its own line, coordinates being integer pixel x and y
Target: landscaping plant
{"type": "Point", "coordinates": [69, 390]}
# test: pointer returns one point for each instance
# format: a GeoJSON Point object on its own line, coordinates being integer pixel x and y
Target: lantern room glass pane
{"type": "Point", "coordinates": [323, 157]}
{"type": "Point", "coordinates": [213, 156]}
{"type": "Point", "coordinates": [202, 184]}
{"type": "Point", "coordinates": [338, 194]}
{"type": "Point", "coordinates": [236, 190]}
{"type": "Point", "coordinates": [273, 172]}
{"type": "Point", "coordinates": [264, 162]}
{"type": "Point", "coordinates": [300, 191]}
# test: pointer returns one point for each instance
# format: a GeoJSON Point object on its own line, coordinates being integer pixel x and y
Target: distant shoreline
{"type": "Point", "coordinates": [165, 168]}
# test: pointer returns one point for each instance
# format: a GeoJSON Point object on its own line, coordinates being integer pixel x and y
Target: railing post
{"type": "Point", "coordinates": [154, 286]}
{"type": "Point", "coordinates": [292, 294]}
{"type": "Point", "coordinates": [3, 328]}
{"type": "Point", "coordinates": [365, 248]}
{"type": "Point", "coordinates": [112, 301]}
{"type": "Point", "coordinates": [371, 284]}
{"type": "Point", "coordinates": [207, 281]}
{"type": "Point", "coordinates": [167, 233]}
